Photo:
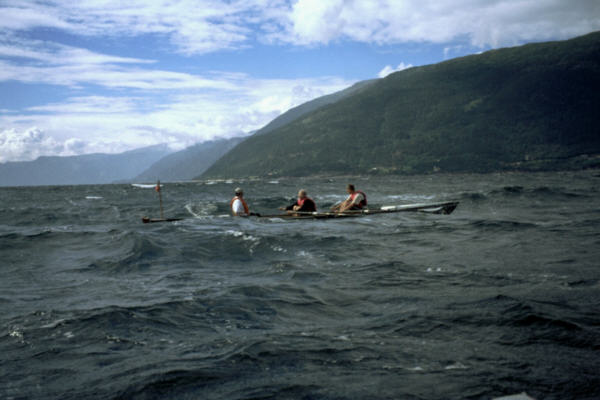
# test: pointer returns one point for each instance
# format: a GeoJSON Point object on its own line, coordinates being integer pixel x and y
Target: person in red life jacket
{"type": "Point", "coordinates": [302, 204]}
{"type": "Point", "coordinates": [356, 200]}
{"type": "Point", "coordinates": [238, 204]}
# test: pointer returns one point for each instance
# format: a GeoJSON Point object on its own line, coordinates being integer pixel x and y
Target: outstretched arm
{"type": "Point", "coordinates": [288, 208]}
{"type": "Point", "coordinates": [338, 207]}
{"type": "Point", "coordinates": [346, 206]}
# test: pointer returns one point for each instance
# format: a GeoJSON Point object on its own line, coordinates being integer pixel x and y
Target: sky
{"type": "Point", "coordinates": [80, 77]}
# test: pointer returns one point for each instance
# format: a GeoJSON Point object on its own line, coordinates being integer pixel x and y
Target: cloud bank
{"type": "Point", "coordinates": [203, 26]}
{"type": "Point", "coordinates": [179, 118]}
{"type": "Point", "coordinates": [485, 23]}
{"type": "Point", "coordinates": [27, 145]}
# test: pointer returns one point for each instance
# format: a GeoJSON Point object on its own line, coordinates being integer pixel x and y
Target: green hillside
{"type": "Point", "coordinates": [530, 107]}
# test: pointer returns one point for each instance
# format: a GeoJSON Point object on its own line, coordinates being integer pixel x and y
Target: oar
{"type": "Point", "coordinates": [317, 214]}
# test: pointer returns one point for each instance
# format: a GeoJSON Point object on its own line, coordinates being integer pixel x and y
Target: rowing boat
{"type": "Point", "coordinates": [431, 208]}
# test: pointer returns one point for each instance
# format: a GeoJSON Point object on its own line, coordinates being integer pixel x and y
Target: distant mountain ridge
{"type": "Point", "coordinates": [83, 169]}
{"type": "Point", "coordinates": [532, 107]}
{"type": "Point", "coordinates": [189, 162]}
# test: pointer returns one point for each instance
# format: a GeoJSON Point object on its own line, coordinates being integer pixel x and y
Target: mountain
{"type": "Point", "coordinates": [532, 107]}
{"type": "Point", "coordinates": [189, 162]}
{"type": "Point", "coordinates": [83, 169]}
{"type": "Point", "coordinates": [305, 108]}
{"type": "Point", "coordinates": [296, 112]}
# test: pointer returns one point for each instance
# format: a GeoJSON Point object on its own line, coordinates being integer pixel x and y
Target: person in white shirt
{"type": "Point", "coordinates": [238, 204]}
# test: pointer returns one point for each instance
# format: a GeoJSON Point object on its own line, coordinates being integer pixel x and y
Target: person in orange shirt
{"type": "Point", "coordinates": [357, 200]}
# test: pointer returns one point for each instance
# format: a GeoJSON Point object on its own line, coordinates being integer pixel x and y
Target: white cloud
{"type": "Point", "coordinates": [180, 118]}
{"type": "Point", "coordinates": [75, 74]}
{"type": "Point", "coordinates": [75, 146]}
{"type": "Point", "coordinates": [193, 26]}
{"type": "Point", "coordinates": [388, 69]}
{"type": "Point", "coordinates": [91, 104]}
{"type": "Point", "coordinates": [23, 15]}
{"type": "Point", "coordinates": [31, 51]}
{"type": "Point", "coordinates": [144, 106]}
{"type": "Point", "coordinates": [484, 22]}
{"type": "Point", "coordinates": [26, 145]}
{"type": "Point", "coordinates": [202, 26]}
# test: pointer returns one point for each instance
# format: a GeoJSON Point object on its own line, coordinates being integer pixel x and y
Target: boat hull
{"type": "Point", "coordinates": [147, 220]}
{"type": "Point", "coordinates": [432, 208]}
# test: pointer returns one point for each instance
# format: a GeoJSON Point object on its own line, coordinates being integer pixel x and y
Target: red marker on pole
{"type": "Point", "coordinates": [157, 188]}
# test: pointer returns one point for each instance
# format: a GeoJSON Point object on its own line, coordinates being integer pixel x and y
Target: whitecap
{"type": "Point", "coordinates": [144, 185]}
{"type": "Point", "coordinates": [54, 324]}
{"type": "Point", "coordinates": [456, 366]}
{"type": "Point", "coordinates": [93, 197]}
{"type": "Point", "coordinates": [519, 396]}
{"type": "Point", "coordinates": [16, 334]}
{"type": "Point", "coordinates": [251, 238]}
{"type": "Point", "coordinates": [201, 211]}
{"type": "Point", "coordinates": [410, 197]}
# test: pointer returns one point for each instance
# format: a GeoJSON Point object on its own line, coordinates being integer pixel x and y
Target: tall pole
{"type": "Point", "coordinates": [162, 214]}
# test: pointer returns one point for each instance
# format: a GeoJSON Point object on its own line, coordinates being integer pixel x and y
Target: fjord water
{"type": "Point", "coordinates": [501, 297]}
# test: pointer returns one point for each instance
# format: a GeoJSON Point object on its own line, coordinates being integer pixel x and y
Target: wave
{"type": "Point", "coordinates": [473, 196]}
{"type": "Point", "coordinates": [525, 322]}
{"type": "Point", "coordinates": [540, 191]}
{"type": "Point", "coordinates": [129, 252]}
{"type": "Point", "coordinates": [501, 225]}
{"type": "Point", "coordinates": [203, 210]}
{"type": "Point", "coordinates": [545, 191]}
{"type": "Point", "coordinates": [145, 185]}
{"type": "Point", "coordinates": [508, 192]}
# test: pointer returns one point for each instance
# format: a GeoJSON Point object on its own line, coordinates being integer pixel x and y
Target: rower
{"type": "Point", "coordinates": [302, 204]}
{"type": "Point", "coordinates": [238, 204]}
{"type": "Point", "coordinates": [356, 200]}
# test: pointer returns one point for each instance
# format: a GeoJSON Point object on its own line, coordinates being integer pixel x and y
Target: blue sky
{"type": "Point", "coordinates": [109, 76]}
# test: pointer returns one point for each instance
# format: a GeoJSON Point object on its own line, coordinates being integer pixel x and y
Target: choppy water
{"type": "Point", "coordinates": [502, 296]}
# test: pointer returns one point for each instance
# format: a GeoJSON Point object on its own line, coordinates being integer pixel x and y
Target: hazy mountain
{"type": "Point", "coordinates": [189, 162]}
{"type": "Point", "coordinates": [528, 107]}
{"type": "Point", "coordinates": [83, 169]}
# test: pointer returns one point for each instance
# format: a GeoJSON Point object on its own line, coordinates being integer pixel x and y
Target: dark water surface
{"type": "Point", "coordinates": [502, 296]}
